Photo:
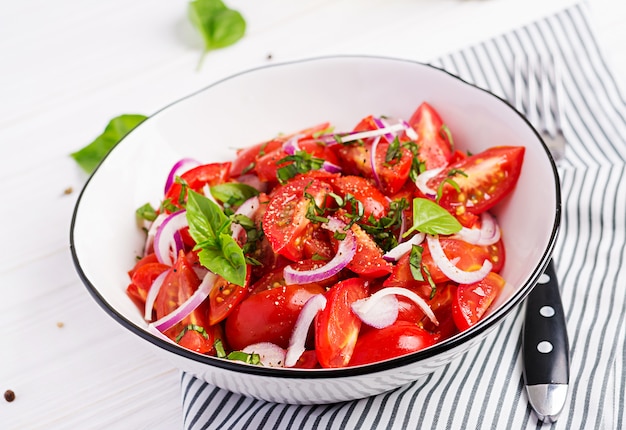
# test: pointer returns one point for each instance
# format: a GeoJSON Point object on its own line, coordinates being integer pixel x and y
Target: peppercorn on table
{"type": "Point", "coordinates": [68, 67]}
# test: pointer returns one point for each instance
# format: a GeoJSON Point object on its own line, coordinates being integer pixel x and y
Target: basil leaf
{"type": "Point", "coordinates": [91, 155]}
{"type": "Point", "coordinates": [210, 228]}
{"type": "Point", "coordinates": [233, 193]}
{"type": "Point", "coordinates": [415, 262]}
{"type": "Point", "coordinates": [218, 25]}
{"type": "Point", "coordinates": [430, 218]}
{"type": "Point", "coordinates": [146, 212]}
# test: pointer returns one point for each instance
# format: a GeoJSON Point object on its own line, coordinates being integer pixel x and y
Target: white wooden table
{"type": "Point", "coordinates": [66, 68]}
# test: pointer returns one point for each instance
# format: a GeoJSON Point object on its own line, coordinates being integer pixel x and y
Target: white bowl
{"type": "Point", "coordinates": [254, 105]}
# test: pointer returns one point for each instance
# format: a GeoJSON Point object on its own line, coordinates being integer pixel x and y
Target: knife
{"type": "Point", "coordinates": [546, 348]}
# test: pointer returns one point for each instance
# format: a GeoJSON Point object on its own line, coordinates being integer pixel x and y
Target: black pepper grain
{"type": "Point", "coordinates": [9, 395]}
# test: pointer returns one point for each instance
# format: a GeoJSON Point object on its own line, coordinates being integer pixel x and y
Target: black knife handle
{"type": "Point", "coordinates": [545, 341]}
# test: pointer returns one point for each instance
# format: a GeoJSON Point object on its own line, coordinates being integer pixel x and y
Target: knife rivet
{"type": "Point", "coordinates": [544, 347]}
{"type": "Point", "coordinates": [544, 278]}
{"type": "Point", "coordinates": [547, 311]}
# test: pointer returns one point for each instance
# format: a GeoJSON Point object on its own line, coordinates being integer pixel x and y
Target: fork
{"type": "Point", "coordinates": [544, 336]}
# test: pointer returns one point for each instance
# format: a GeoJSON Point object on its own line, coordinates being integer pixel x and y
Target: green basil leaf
{"type": "Point", "coordinates": [415, 262]}
{"type": "Point", "coordinates": [430, 218]}
{"type": "Point", "coordinates": [91, 155]}
{"type": "Point", "coordinates": [233, 193]}
{"type": "Point", "coordinates": [146, 212]}
{"type": "Point", "coordinates": [210, 228]}
{"type": "Point", "coordinates": [218, 25]}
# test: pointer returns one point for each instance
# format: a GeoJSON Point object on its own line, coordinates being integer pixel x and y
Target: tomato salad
{"type": "Point", "coordinates": [326, 249]}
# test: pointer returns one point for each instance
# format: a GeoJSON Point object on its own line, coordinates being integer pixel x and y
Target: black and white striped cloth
{"type": "Point", "coordinates": [484, 388]}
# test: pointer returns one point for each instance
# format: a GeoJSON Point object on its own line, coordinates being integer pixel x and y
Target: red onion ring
{"type": "Point", "coordinates": [488, 233]}
{"type": "Point", "coordinates": [449, 269]}
{"type": "Point", "coordinates": [330, 167]}
{"type": "Point", "coordinates": [178, 169]}
{"type": "Point", "coordinates": [379, 312]}
{"type": "Point", "coordinates": [188, 306]}
{"type": "Point", "coordinates": [270, 354]}
{"type": "Point", "coordinates": [291, 145]}
{"type": "Point", "coordinates": [248, 209]}
{"type": "Point", "coordinates": [345, 253]}
{"type": "Point", "coordinates": [152, 294]}
{"type": "Point", "coordinates": [422, 180]}
{"type": "Point", "coordinates": [166, 240]}
{"type": "Point", "coordinates": [373, 161]}
{"type": "Point", "coordinates": [300, 332]}
{"type": "Point", "coordinates": [380, 123]}
{"type": "Point", "coordinates": [399, 250]}
{"type": "Point", "coordinates": [152, 232]}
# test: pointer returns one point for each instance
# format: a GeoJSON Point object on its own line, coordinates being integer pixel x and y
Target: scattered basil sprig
{"type": "Point", "coordinates": [219, 25]}
{"type": "Point", "coordinates": [233, 193]}
{"type": "Point", "coordinates": [210, 228]}
{"type": "Point", "coordinates": [91, 155]}
{"type": "Point", "coordinates": [430, 218]}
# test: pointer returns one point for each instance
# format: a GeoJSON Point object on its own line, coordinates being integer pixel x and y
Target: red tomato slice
{"type": "Point", "coordinates": [392, 174]}
{"type": "Point", "coordinates": [285, 221]}
{"type": "Point", "coordinates": [497, 255]}
{"type": "Point", "coordinates": [398, 339]}
{"type": "Point", "coordinates": [374, 202]}
{"type": "Point", "coordinates": [142, 279]}
{"type": "Point", "coordinates": [486, 179]}
{"type": "Point", "coordinates": [179, 284]}
{"type": "Point", "coordinates": [337, 327]}
{"type": "Point", "coordinates": [368, 261]}
{"type": "Point", "coordinates": [149, 258]}
{"type": "Point", "coordinates": [224, 296]}
{"type": "Point", "coordinates": [470, 257]}
{"type": "Point", "coordinates": [473, 300]}
{"type": "Point", "coordinates": [434, 149]}
{"type": "Point", "coordinates": [268, 315]}
{"type": "Point", "coordinates": [247, 157]}
{"type": "Point", "coordinates": [196, 178]}
{"type": "Point", "coordinates": [268, 165]}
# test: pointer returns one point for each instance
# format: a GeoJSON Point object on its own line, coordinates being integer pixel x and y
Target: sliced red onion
{"type": "Point", "coordinates": [399, 250]}
{"type": "Point", "coordinates": [248, 209]}
{"type": "Point", "coordinates": [373, 161]}
{"type": "Point", "coordinates": [422, 180]}
{"type": "Point", "coordinates": [383, 314]}
{"type": "Point", "coordinates": [270, 354]}
{"type": "Point", "coordinates": [166, 240]}
{"type": "Point", "coordinates": [380, 123]}
{"type": "Point", "coordinates": [188, 306]}
{"type": "Point", "coordinates": [330, 167]}
{"type": "Point", "coordinates": [410, 131]}
{"type": "Point", "coordinates": [178, 169]}
{"type": "Point", "coordinates": [206, 191]}
{"type": "Point", "coordinates": [330, 139]}
{"type": "Point", "coordinates": [300, 332]}
{"type": "Point", "coordinates": [291, 145]}
{"type": "Point", "coordinates": [152, 294]}
{"type": "Point", "coordinates": [253, 181]}
{"type": "Point", "coordinates": [345, 254]}
{"type": "Point", "coordinates": [152, 232]}
{"type": "Point", "coordinates": [488, 233]}
{"type": "Point", "coordinates": [449, 269]}
{"type": "Point", "coordinates": [379, 311]}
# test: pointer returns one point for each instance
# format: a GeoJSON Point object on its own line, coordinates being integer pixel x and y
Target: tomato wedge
{"type": "Point", "coordinates": [483, 180]}
{"type": "Point", "coordinates": [433, 146]}
{"type": "Point", "coordinates": [368, 261]}
{"type": "Point", "coordinates": [374, 202]}
{"type": "Point", "coordinates": [179, 284]}
{"type": "Point", "coordinates": [268, 315]}
{"type": "Point", "coordinates": [337, 327]}
{"type": "Point", "coordinates": [196, 178]}
{"type": "Point", "coordinates": [473, 300]}
{"type": "Point", "coordinates": [285, 221]}
{"type": "Point", "coordinates": [398, 339]}
{"type": "Point", "coordinates": [224, 296]}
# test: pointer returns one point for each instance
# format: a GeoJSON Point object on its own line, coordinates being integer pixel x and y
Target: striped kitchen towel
{"type": "Point", "coordinates": [484, 388]}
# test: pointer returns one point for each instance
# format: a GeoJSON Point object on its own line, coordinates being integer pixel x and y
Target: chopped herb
{"type": "Point", "coordinates": [445, 132]}
{"type": "Point", "coordinates": [233, 193]}
{"type": "Point", "coordinates": [245, 357]}
{"type": "Point", "coordinates": [210, 228]}
{"type": "Point", "coordinates": [394, 152]}
{"type": "Point", "coordinates": [449, 180]}
{"type": "Point", "coordinates": [219, 25]}
{"type": "Point", "coordinates": [339, 235]}
{"type": "Point", "coordinates": [415, 262]}
{"type": "Point", "coordinates": [219, 348]}
{"type": "Point", "coordinates": [429, 217]}
{"type": "Point", "coordinates": [382, 230]}
{"type": "Point", "coordinates": [192, 327]}
{"type": "Point", "coordinates": [429, 278]}
{"type": "Point", "coordinates": [146, 212]}
{"type": "Point", "coordinates": [300, 162]}
{"type": "Point", "coordinates": [317, 257]}
{"type": "Point", "coordinates": [91, 155]}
